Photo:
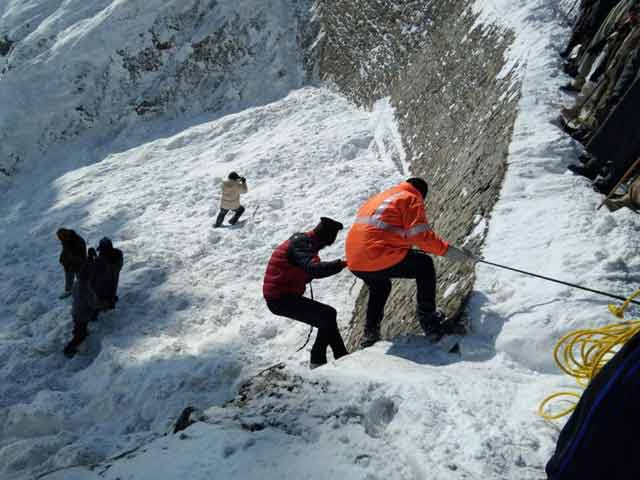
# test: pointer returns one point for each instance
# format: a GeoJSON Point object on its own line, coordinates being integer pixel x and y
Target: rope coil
{"type": "Point", "coordinates": [582, 354]}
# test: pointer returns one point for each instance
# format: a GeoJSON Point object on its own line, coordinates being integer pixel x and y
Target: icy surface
{"type": "Point", "coordinates": [191, 324]}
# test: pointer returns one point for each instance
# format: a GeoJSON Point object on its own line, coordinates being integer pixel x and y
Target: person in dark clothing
{"type": "Point", "coordinates": [86, 304]}
{"type": "Point", "coordinates": [593, 13]}
{"type": "Point", "coordinates": [614, 145]}
{"type": "Point", "coordinates": [109, 263]}
{"type": "Point", "coordinates": [295, 263]}
{"type": "Point", "coordinates": [616, 141]}
{"type": "Point", "coordinates": [600, 438]}
{"type": "Point", "coordinates": [72, 258]}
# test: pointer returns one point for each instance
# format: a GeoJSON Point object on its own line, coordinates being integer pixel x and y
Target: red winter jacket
{"type": "Point", "coordinates": [295, 263]}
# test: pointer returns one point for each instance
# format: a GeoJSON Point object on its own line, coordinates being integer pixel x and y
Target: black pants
{"type": "Point", "coordinates": [223, 213]}
{"type": "Point", "coordinates": [318, 315]}
{"type": "Point", "coordinates": [69, 278]}
{"type": "Point", "coordinates": [416, 265]}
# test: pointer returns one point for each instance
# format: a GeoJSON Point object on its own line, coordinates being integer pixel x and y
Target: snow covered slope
{"type": "Point", "coordinates": [191, 320]}
{"type": "Point", "coordinates": [191, 325]}
{"type": "Point", "coordinates": [102, 66]}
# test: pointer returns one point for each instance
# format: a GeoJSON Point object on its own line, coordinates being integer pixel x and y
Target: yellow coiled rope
{"type": "Point", "coordinates": [582, 353]}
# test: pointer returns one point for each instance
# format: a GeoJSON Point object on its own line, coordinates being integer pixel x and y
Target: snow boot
{"type": "Point", "coordinates": [70, 350]}
{"type": "Point", "coordinates": [434, 324]}
{"type": "Point", "coordinates": [369, 338]}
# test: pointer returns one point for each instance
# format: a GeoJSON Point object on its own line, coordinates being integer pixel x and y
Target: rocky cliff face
{"type": "Point", "coordinates": [456, 109]}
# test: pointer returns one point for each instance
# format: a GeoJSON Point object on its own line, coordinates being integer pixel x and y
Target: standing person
{"type": "Point", "coordinates": [379, 248]}
{"type": "Point", "coordinates": [109, 263]}
{"type": "Point", "coordinates": [72, 258]}
{"type": "Point", "coordinates": [232, 188]}
{"type": "Point", "coordinates": [295, 263]}
{"type": "Point", "coordinates": [86, 304]}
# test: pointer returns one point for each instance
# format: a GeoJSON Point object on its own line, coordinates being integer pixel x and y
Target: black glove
{"type": "Point", "coordinates": [243, 180]}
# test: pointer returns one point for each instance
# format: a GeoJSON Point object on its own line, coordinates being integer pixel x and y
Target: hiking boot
{"type": "Point", "coordinates": [433, 324]}
{"type": "Point", "coordinates": [369, 338]}
{"type": "Point", "coordinates": [313, 366]}
{"type": "Point", "coordinates": [318, 356]}
{"type": "Point", "coordinates": [570, 68]}
{"type": "Point", "coordinates": [585, 158]}
{"type": "Point", "coordinates": [70, 350]}
{"type": "Point", "coordinates": [583, 170]}
{"type": "Point", "coordinates": [602, 185]}
{"type": "Point", "coordinates": [569, 88]}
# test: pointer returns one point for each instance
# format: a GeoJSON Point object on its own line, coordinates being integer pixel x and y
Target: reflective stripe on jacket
{"type": "Point", "coordinates": [387, 226]}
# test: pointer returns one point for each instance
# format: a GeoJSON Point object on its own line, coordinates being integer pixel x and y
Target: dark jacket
{"type": "Point", "coordinates": [85, 298]}
{"type": "Point", "coordinates": [617, 140]}
{"type": "Point", "coordinates": [293, 264]}
{"type": "Point", "coordinates": [626, 78]}
{"type": "Point", "coordinates": [74, 252]}
{"type": "Point", "coordinates": [600, 439]}
{"type": "Point", "coordinates": [107, 274]}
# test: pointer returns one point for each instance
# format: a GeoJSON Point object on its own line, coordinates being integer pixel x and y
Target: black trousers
{"type": "Point", "coordinates": [223, 213]}
{"type": "Point", "coordinates": [416, 265]}
{"type": "Point", "coordinates": [318, 315]}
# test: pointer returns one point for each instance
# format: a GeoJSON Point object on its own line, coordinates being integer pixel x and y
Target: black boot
{"type": "Point", "coordinates": [604, 185]}
{"type": "Point", "coordinates": [570, 88]}
{"type": "Point", "coordinates": [434, 323]}
{"type": "Point", "coordinates": [70, 350]}
{"type": "Point", "coordinates": [584, 170]}
{"type": "Point", "coordinates": [570, 68]}
{"type": "Point", "coordinates": [369, 338]}
{"type": "Point", "coordinates": [585, 158]}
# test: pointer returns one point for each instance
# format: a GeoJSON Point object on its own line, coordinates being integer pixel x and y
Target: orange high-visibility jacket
{"type": "Point", "coordinates": [387, 226]}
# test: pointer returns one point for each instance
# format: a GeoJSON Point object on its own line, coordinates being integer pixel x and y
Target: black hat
{"type": "Point", "coordinates": [327, 230]}
{"type": "Point", "coordinates": [420, 185]}
{"type": "Point", "coordinates": [234, 176]}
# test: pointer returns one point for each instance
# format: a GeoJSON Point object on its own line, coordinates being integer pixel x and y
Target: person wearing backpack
{"type": "Point", "coordinates": [86, 305]}
{"type": "Point", "coordinates": [72, 257]}
{"type": "Point", "coordinates": [232, 188]}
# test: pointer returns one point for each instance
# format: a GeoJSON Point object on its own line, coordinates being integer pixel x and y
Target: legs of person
{"type": "Point", "coordinates": [379, 287]}
{"type": "Point", "coordinates": [418, 265]}
{"type": "Point", "coordinates": [318, 315]}
{"type": "Point", "coordinates": [221, 214]}
{"type": "Point", "coordinates": [80, 331]}
{"type": "Point", "coordinates": [237, 214]}
{"type": "Point", "coordinates": [69, 277]}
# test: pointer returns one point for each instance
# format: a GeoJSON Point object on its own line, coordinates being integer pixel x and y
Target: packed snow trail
{"type": "Point", "coordinates": [191, 320]}
{"type": "Point", "coordinates": [191, 323]}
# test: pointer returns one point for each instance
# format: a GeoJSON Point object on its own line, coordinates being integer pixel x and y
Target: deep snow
{"type": "Point", "coordinates": [191, 324]}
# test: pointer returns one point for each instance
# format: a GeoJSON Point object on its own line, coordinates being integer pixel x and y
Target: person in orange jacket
{"type": "Point", "coordinates": [379, 248]}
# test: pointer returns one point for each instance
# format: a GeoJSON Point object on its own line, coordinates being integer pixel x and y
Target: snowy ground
{"type": "Point", "coordinates": [191, 324]}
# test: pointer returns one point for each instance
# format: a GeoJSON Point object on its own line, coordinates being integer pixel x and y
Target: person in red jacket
{"type": "Point", "coordinates": [379, 247]}
{"type": "Point", "coordinates": [295, 263]}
